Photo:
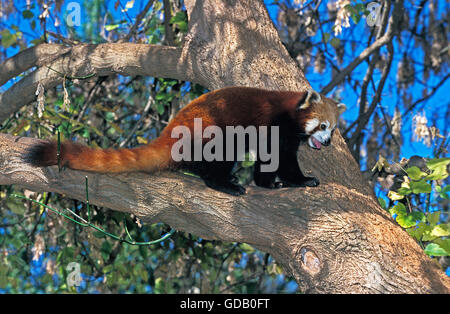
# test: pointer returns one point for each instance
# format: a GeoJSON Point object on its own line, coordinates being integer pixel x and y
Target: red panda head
{"type": "Point", "coordinates": [318, 116]}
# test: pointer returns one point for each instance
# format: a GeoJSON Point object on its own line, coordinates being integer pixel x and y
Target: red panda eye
{"type": "Point", "coordinates": [323, 126]}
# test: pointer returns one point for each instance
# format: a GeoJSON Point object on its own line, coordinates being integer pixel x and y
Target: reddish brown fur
{"type": "Point", "coordinates": [225, 107]}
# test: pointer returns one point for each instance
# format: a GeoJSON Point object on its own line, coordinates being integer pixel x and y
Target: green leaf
{"type": "Point", "coordinates": [111, 27]}
{"type": "Point", "coordinates": [106, 249]}
{"type": "Point", "coordinates": [326, 37]}
{"type": "Point", "coordinates": [8, 39]}
{"type": "Point", "coordinates": [109, 116]}
{"type": "Point", "coordinates": [444, 191]}
{"type": "Point", "coordinates": [159, 285]}
{"type": "Point", "coordinates": [420, 187]}
{"type": "Point", "coordinates": [246, 248]}
{"type": "Point", "coordinates": [426, 236]}
{"type": "Point", "coordinates": [398, 209]}
{"type": "Point", "coordinates": [356, 18]}
{"type": "Point", "coordinates": [85, 133]}
{"type": "Point", "coordinates": [335, 42]}
{"type": "Point", "coordinates": [395, 196]}
{"type": "Point", "coordinates": [415, 173]}
{"type": "Point", "coordinates": [143, 250]}
{"type": "Point", "coordinates": [179, 17]}
{"type": "Point", "coordinates": [108, 268]}
{"type": "Point", "coordinates": [443, 243]}
{"type": "Point", "coordinates": [37, 41]}
{"type": "Point", "coordinates": [418, 232]}
{"type": "Point", "coordinates": [360, 7]}
{"type": "Point", "coordinates": [27, 14]}
{"type": "Point", "coordinates": [437, 162]}
{"type": "Point", "coordinates": [160, 108]}
{"type": "Point", "coordinates": [439, 173]}
{"type": "Point", "coordinates": [15, 205]}
{"type": "Point", "coordinates": [183, 26]}
{"type": "Point", "coordinates": [433, 218]}
{"type": "Point", "coordinates": [434, 249]}
{"type": "Point", "coordinates": [442, 230]}
{"type": "Point", "coordinates": [444, 196]}
{"type": "Point", "coordinates": [404, 191]}
{"type": "Point", "coordinates": [410, 220]}
{"type": "Point", "coordinates": [247, 163]}
{"type": "Point", "coordinates": [99, 234]}
{"type": "Point", "coordinates": [382, 202]}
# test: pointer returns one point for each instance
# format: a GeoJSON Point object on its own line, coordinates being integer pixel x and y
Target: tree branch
{"type": "Point", "coordinates": [101, 60]}
{"type": "Point", "coordinates": [28, 58]}
{"type": "Point", "coordinates": [427, 96]}
{"type": "Point", "coordinates": [364, 119]}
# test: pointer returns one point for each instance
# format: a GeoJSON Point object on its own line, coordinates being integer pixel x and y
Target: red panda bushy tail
{"type": "Point", "coordinates": [149, 158]}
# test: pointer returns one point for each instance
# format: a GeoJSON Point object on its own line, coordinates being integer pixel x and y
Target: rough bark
{"type": "Point", "coordinates": [333, 238]}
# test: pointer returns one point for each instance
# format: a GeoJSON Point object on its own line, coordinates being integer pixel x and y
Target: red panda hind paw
{"type": "Point", "coordinates": [225, 186]}
{"type": "Point", "coordinates": [301, 182]}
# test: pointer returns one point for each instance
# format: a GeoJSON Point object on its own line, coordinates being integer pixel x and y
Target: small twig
{"type": "Point", "coordinates": [389, 128]}
{"type": "Point", "coordinates": [433, 91]}
{"type": "Point", "coordinates": [167, 28]}
{"type": "Point", "coordinates": [144, 114]}
{"type": "Point", "coordinates": [91, 94]}
{"type": "Point", "coordinates": [224, 259]}
{"type": "Point", "coordinates": [79, 217]}
{"type": "Point", "coordinates": [65, 40]}
{"type": "Point", "coordinates": [365, 118]}
{"type": "Point", "coordinates": [136, 23]}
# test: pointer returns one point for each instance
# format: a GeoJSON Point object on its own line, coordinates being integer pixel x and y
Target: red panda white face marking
{"type": "Point", "coordinates": [322, 136]}
{"type": "Point", "coordinates": [311, 125]}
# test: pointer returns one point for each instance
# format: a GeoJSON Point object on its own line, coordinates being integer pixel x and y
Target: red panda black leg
{"type": "Point", "coordinates": [265, 179]}
{"type": "Point", "coordinates": [218, 175]}
{"type": "Point", "coordinates": [290, 174]}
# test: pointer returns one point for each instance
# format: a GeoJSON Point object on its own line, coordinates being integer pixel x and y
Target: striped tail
{"type": "Point", "coordinates": [152, 157]}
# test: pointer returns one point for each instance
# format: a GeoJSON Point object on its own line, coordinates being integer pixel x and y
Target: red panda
{"type": "Point", "coordinates": [299, 116]}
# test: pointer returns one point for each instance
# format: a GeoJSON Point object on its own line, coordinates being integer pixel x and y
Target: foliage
{"type": "Point", "coordinates": [415, 205]}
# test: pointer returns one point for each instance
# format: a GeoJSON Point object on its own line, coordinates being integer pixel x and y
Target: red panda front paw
{"type": "Point", "coordinates": [311, 181]}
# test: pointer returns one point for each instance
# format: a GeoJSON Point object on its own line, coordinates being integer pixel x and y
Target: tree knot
{"type": "Point", "coordinates": [310, 261]}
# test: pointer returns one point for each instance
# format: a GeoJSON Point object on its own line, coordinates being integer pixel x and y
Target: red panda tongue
{"type": "Point", "coordinates": [316, 142]}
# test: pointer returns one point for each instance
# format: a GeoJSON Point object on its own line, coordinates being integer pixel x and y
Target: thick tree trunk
{"type": "Point", "coordinates": [334, 238]}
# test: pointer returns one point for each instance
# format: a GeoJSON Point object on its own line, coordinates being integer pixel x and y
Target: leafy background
{"type": "Point", "coordinates": [409, 120]}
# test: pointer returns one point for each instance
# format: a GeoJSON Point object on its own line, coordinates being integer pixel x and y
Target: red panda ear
{"type": "Point", "coordinates": [311, 96]}
{"type": "Point", "coordinates": [341, 108]}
